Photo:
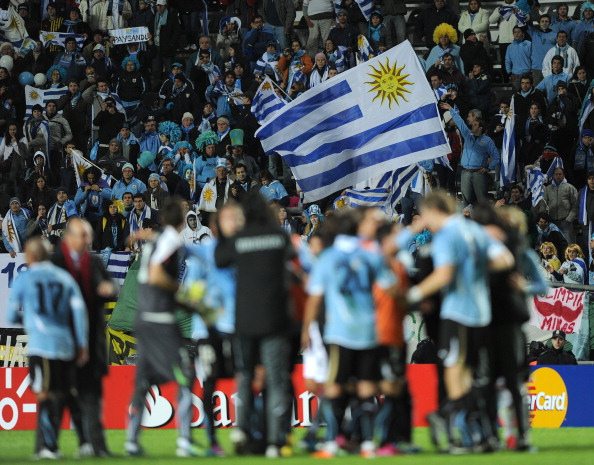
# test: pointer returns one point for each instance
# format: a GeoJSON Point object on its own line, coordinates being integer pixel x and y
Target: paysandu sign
{"type": "Point", "coordinates": [129, 35]}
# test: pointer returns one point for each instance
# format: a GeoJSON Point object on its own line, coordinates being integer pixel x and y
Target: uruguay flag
{"type": "Point", "coordinates": [535, 179]}
{"type": "Point", "coordinates": [367, 198]}
{"type": "Point", "coordinates": [371, 119]}
{"type": "Point", "coordinates": [507, 173]}
{"type": "Point", "coordinates": [366, 7]}
{"type": "Point", "coordinates": [266, 102]}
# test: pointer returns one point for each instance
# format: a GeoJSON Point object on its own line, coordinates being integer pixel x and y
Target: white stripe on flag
{"type": "Point", "coordinates": [366, 7]}
{"type": "Point", "coordinates": [367, 198]}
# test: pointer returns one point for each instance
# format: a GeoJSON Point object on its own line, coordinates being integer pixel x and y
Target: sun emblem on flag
{"type": "Point", "coordinates": [34, 95]}
{"type": "Point", "coordinates": [389, 83]}
{"type": "Point", "coordinates": [266, 86]}
{"type": "Point", "coordinates": [341, 203]}
{"type": "Point", "coordinates": [81, 169]}
{"type": "Point", "coordinates": [208, 195]}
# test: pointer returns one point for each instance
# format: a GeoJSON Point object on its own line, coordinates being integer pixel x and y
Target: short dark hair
{"type": "Point", "coordinates": [558, 58]}
{"type": "Point", "coordinates": [527, 76]}
{"type": "Point", "coordinates": [240, 165]}
{"type": "Point", "coordinates": [171, 213]}
{"type": "Point", "coordinates": [138, 195]}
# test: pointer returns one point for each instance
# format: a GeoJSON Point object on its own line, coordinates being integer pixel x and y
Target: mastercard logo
{"type": "Point", "coordinates": [548, 399]}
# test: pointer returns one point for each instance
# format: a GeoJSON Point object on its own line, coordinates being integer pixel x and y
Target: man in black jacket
{"type": "Point", "coordinates": [260, 253]}
{"type": "Point", "coordinates": [557, 355]}
{"type": "Point", "coordinates": [96, 286]}
{"type": "Point", "coordinates": [165, 39]}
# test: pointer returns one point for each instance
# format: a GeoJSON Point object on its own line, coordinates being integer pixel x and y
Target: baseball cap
{"type": "Point", "coordinates": [558, 334]}
{"type": "Point", "coordinates": [99, 47]}
{"type": "Point", "coordinates": [221, 163]}
{"type": "Point", "coordinates": [162, 2]}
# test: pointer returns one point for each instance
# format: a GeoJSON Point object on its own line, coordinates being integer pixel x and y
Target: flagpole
{"type": "Point", "coordinates": [280, 88]}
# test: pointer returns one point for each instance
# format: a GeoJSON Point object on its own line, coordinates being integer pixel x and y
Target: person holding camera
{"type": "Point", "coordinates": [109, 121]}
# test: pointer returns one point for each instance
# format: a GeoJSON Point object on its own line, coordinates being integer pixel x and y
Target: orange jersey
{"type": "Point", "coordinates": [390, 312]}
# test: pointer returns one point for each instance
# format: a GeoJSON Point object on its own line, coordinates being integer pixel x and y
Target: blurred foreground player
{"type": "Point", "coordinates": [95, 285]}
{"type": "Point", "coordinates": [162, 354]}
{"type": "Point", "coordinates": [49, 304]}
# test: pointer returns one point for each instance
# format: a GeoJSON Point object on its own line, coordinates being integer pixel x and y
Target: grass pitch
{"type": "Point", "coordinates": [573, 446]}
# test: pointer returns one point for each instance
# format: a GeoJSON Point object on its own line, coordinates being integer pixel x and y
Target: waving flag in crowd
{"type": "Point", "coordinates": [535, 180]}
{"type": "Point", "coordinates": [556, 163]}
{"type": "Point", "coordinates": [35, 96]}
{"type": "Point", "coordinates": [80, 164]}
{"type": "Point", "coordinates": [367, 198]}
{"type": "Point", "coordinates": [266, 102]}
{"type": "Point", "coordinates": [364, 48]}
{"type": "Point", "coordinates": [59, 38]}
{"type": "Point", "coordinates": [368, 120]}
{"type": "Point", "coordinates": [507, 173]}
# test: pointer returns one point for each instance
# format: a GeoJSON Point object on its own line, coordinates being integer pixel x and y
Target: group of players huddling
{"type": "Point", "coordinates": [260, 298]}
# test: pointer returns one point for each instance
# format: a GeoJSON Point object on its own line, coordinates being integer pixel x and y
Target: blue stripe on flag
{"type": "Point", "coordinates": [358, 140]}
{"type": "Point", "coordinates": [305, 108]}
{"type": "Point", "coordinates": [366, 7]}
{"type": "Point", "coordinates": [260, 104]}
{"type": "Point", "coordinates": [334, 121]}
{"type": "Point", "coordinates": [401, 179]}
{"type": "Point", "coordinates": [374, 195]}
{"type": "Point", "coordinates": [374, 157]}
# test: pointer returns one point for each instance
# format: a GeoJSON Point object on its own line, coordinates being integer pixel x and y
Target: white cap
{"type": "Point", "coordinates": [98, 47]}
{"type": "Point", "coordinates": [162, 2]}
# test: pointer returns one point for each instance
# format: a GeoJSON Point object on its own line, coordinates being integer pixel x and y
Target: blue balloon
{"type": "Point", "coordinates": [26, 79]}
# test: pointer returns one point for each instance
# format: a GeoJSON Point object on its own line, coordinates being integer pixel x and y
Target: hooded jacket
{"type": "Point", "coordinates": [198, 235]}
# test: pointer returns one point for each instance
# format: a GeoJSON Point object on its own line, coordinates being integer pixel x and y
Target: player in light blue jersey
{"type": "Point", "coordinates": [213, 337]}
{"type": "Point", "coordinates": [48, 302]}
{"type": "Point", "coordinates": [463, 255]}
{"type": "Point", "coordinates": [343, 278]}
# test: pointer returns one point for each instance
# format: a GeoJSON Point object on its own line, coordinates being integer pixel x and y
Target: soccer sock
{"type": "Point", "coordinates": [46, 425]}
{"type": "Point", "coordinates": [384, 418]}
{"type": "Point", "coordinates": [136, 410]}
{"type": "Point", "coordinates": [184, 412]}
{"type": "Point", "coordinates": [402, 418]}
{"type": "Point", "coordinates": [208, 389]}
{"type": "Point", "coordinates": [367, 410]}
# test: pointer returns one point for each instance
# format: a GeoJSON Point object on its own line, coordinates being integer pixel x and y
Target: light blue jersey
{"type": "Point", "coordinates": [345, 274]}
{"type": "Point", "coordinates": [465, 245]}
{"type": "Point", "coordinates": [220, 288]}
{"type": "Point", "coordinates": [48, 302]}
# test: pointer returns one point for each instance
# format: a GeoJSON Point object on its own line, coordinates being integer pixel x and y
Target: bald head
{"type": "Point", "coordinates": [37, 250]}
{"type": "Point", "coordinates": [78, 235]}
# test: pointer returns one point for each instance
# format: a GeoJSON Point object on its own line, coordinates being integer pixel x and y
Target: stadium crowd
{"type": "Point", "coordinates": [136, 126]}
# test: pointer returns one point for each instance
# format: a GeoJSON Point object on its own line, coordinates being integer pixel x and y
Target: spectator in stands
{"type": "Point", "coordinates": [583, 156]}
{"type": "Point", "coordinates": [437, 86]}
{"type": "Point", "coordinates": [220, 93]}
{"type": "Point", "coordinates": [36, 130]}
{"type": "Point", "coordinates": [524, 98]}
{"type": "Point", "coordinates": [91, 195]}
{"type": "Point", "coordinates": [40, 193]}
{"type": "Point", "coordinates": [548, 84]}
{"type": "Point", "coordinates": [295, 61]}
{"type": "Point", "coordinates": [109, 121]}
{"type": "Point", "coordinates": [344, 34]}
{"type": "Point", "coordinates": [445, 38]}
{"type": "Point", "coordinates": [507, 20]}
{"type": "Point", "coordinates": [561, 200]}
{"type": "Point", "coordinates": [243, 183]}
{"type": "Point", "coordinates": [394, 12]}
{"type": "Point", "coordinates": [478, 157]}
{"type": "Point", "coordinates": [127, 203]}
{"type": "Point", "coordinates": [72, 107]}
{"type": "Point", "coordinates": [223, 129]}
{"type": "Point", "coordinates": [142, 216]}
{"type": "Point", "coordinates": [319, 17]}
{"type": "Point", "coordinates": [215, 192]}
{"type": "Point", "coordinates": [472, 51]}
{"type": "Point", "coordinates": [112, 232]}
{"type": "Point", "coordinates": [94, 96]}
{"type": "Point", "coordinates": [31, 25]}
{"type": "Point", "coordinates": [271, 189]}
{"type": "Point", "coordinates": [562, 22]}
{"type": "Point", "coordinates": [130, 146]}
{"type": "Point", "coordinates": [574, 269]}
{"type": "Point", "coordinates": [478, 89]}
{"type": "Point", "coordinates": [143, 16]}
{"type": "Point", "coordinates": [517, 57]}
{"type": "Point", "coordinates": [255, 40]}
{"type": "Point", "coordinates": [176, 185]}
{"type": "Point", "coordinates": [476, 18]}
{"type": "Point", "coordinates": [557, 354]}
{"type": "Point", "coordinates": [97, 39]}
{"type": "Point", "coordinates": [430, 18]}
{"type": "Point", "coordinates": [319, 73]}
{"type": "Point", "coordinates": [376, 33]}
{"type": "Point", "coordinates": [195, 232]}
{"type": "Point", "coordinates": [267, 64]}
{"type": "Point", "coordinates": [562, 48]}
{"type": "Point", "coordinates": [448, 72]}
{"type": "Point", "coordinates": [59, 132]}
{"type": "Point", "coordinates": [102, 63]}
{"type": "Point", "coordinates": [183, 99]}
{"type": "Point", "coordinates": [52, 22]}
{"type": "Point", "coordinates": [14, 227]}
{"type": "Point", "coordinates": [155, 194]}
{"type": "Point", "coordinates": [579, 84]}
{"type": "Point", "coordinates": [165, 39]}
{"type": "Point", "coordinates": [497, 123]}
{"type": "Point", "coordinates": [279, 16]}
{"type": "Point", "coordinates": [167, 86]}
{"type": "Point", "coordinates": [582, 30]}
{"type": "Point", "coordinates": [548, 259]}
{"type": "Point", "coordinates": [128, 183]}
{"type": "Point", "coordinates": [149, 140]}
{"type": "Point", "coordinates": [543, 38]}
{"type": "Point", "coordinates": [71, 60]}
{"type": "Point", "coordinates": [535, 134]}
{"type": "Point", "coordinates": [205, 162]}
{"type": "Point", "coordinates": [130, 84]}
{"type": "Point", "coordinates": [547, 231]}
{"type": "Point", "coordinates": [37, 226]}
{"type": "Point", "coordinates": [59, 212]}
{"type": "Point", "coordinates": [238, 155]}
{"type": "Point", "coordinates": [13, 162]}
{"type": "Point", "coordinates": [562, 118]}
